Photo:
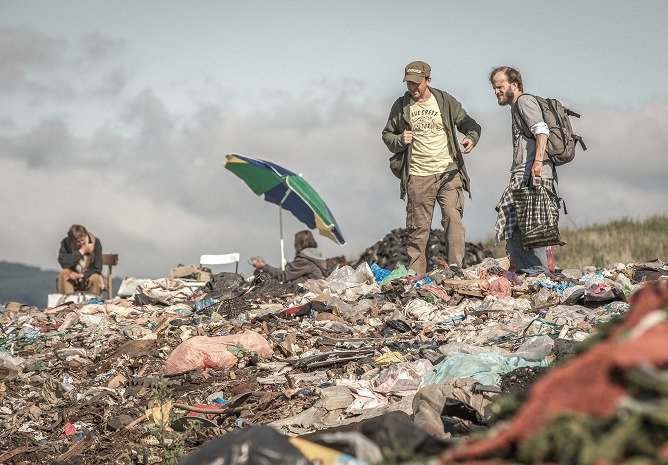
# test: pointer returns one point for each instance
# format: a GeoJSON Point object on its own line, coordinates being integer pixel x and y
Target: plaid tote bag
{"type": "Point", "coordinates": [537, 209]}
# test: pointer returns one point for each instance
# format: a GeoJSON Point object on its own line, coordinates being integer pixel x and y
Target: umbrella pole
{"type": "Point", "coordinates": [280, 222]}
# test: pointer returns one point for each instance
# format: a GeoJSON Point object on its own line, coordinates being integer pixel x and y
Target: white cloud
{"type": "Point", "coordinates": [23, 51]}
{"type": "Point", "coordinates": [38, 69]}
{"type": "Point", "coordinates": [96, 47]}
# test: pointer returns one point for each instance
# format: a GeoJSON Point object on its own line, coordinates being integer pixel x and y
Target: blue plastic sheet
{"type": "Point", "coordinates": [398, 272]}
{"type": "Point", "coordinates": [379, 273]}
{"type": "Point", "coordinates": [485, 367]}
{"type": "Point", "coordinates": [451, 320]}
{"type": "Point", "coordinates": [423, 282]}
{"type": "Point", "coordinates": [597, 276]}
{"type": "Point", "coordinates": [558, 288]}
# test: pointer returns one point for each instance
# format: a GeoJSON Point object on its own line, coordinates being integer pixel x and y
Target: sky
{"type": "Point", "coordinates": [118, 115]}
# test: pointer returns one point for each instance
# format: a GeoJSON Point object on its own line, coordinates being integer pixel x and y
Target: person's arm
{"type": "Point", "coordinates": [541, 145]}
{"type": "Point", "coordinates": [273, 272]}
{"type": "Point", "coordinates": [465, 125]}
{"type": "Point", "coordinates": [396, 140]}
{"type": "Point", "coordinates": [66, 257]}
{"type": "Point", "coordinates": [96, 265]}
{"type": "Point", "coordinates": [530, 112]}
{"type": "Point", "coordinates": [298, 267]}
{"type": "Point", "coordinates": [263, 267]}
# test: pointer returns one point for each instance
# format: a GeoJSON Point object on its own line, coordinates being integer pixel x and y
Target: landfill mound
{"type": "Point", "coordinates": [390, 251]}
{"type": "Point", "coordinates": [345, 368]}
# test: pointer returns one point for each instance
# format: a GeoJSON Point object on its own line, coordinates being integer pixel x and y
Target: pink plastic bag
{"type": "Point", "coordinates": [498, 286]}
{"type": "Point", "coordinates": [202, 352]}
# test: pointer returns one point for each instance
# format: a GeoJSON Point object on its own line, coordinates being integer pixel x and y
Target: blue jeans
{"type": "Point", "coordinates": [529, 260]}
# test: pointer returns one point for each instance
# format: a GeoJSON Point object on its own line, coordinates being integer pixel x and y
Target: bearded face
{"type": "Point", "coordinates": [506, 98]}
{"type": "Point", "coordinates": [502, 89]}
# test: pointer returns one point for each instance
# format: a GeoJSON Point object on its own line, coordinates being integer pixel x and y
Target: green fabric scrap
{"type": "Point", "coordinates": [240, 351]}
{"type": "Point", "coordinates": [398, 272]}
{"type": "Point", "coordinates": [634, 435]}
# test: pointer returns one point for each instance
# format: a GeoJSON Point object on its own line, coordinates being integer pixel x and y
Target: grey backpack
{"type": "Point", "coordinates": [561, 142]}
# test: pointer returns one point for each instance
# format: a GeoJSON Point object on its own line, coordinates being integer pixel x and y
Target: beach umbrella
{"type": "Point", "coordinates": [289, 191]}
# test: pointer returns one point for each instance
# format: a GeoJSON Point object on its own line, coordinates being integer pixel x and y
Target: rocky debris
{"type": "Point", "coordinates": [390, 251]}
{"type": "Point", "coordinates": [519, 381]}
{"type": "Point", "coordinates": [411, 360]}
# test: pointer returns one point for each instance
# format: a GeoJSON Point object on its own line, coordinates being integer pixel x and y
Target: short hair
{"type": "Point", "coordinates": [511, 74]}
{"type": "Point", "coordinates": [76, 231]}
{"type": "Point", "coordinates": [304, 240]}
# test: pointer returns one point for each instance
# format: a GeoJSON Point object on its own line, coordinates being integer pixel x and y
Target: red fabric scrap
{"type": "Point", "coordinates": [293, 310]}
{"type": "Point", "coordinates": [210, 416]}
{"type": "Point", "coordinates": [69, 429]}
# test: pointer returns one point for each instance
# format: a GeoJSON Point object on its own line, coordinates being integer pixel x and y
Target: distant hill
{"type": "Point", "coordinates": [28, 284]}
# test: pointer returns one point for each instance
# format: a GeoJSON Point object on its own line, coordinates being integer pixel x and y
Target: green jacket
{"type": "Point", "coordinates": [453, 116]}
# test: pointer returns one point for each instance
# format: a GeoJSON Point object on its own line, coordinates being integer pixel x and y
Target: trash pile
{"type": "Point", "coordinates": [390, 251]}
{"type": "Point", "coordinates": [367, 365]}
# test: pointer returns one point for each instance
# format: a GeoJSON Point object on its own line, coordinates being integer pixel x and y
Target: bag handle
{"type": "Point", "coordinates": [561, 203]}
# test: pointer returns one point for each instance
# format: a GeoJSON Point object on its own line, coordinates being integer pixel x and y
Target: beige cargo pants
{"type": "Point", "coordinates": [423, 192]}
{"type": "Point", "coordinates": [64, 285]}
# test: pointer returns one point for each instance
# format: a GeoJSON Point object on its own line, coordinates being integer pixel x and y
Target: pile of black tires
{"type": "Point", "coordinates": [390, 251]}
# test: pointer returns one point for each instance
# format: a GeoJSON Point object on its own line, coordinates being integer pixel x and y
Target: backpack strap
{"type": "Point", "coordinates": [519, 119]}
{"type": "Point", "coordinates": [579, 139]}
{"type": "Point", "coordinates": [401, 126]}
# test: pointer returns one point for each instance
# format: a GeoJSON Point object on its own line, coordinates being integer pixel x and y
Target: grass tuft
{"type": "Point", "coordinates": [623, 240]}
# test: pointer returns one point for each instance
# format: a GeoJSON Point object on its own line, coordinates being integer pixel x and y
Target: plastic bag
{"type": "Point", "coordinates": [202, 352]}
{"type": "Point", "coordinates": [535, 348]}
{"type": "Point", "coordinates": [537, 211]}
{"type": "Point", "coordinates": [485, 367]}
{"type": "Point", "coordinates": [349, 284]}
{"type": "Point", "coordinates": [225, 285]}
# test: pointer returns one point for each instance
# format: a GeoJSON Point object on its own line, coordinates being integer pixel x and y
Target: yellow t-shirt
{"type": "Point", "coordinates": [430, 152]}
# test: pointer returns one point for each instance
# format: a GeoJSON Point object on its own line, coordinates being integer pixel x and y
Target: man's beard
{"type": "Point", "coordinates": [508, 98]}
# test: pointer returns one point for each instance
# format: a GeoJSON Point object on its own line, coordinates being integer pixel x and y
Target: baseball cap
{"type": "Point", "coordinates": [416, 71]}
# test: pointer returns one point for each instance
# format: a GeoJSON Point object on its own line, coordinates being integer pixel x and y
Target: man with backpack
{"type": "Point", "coordinates": [420, 132]}
{"type": "Point", "coordinates": [530, 165]}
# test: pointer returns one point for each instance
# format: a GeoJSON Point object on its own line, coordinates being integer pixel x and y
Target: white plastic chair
{"type": "Point", "coordinates": [225, 259]}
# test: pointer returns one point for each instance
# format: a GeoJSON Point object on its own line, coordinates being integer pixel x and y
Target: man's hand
{"type": "Point", "coordinates": [537, 168]}
{"type": "Point", "coordinates": [407, 136]}
{"type": "Point", "coordinates": [87, 248]}
{"type": "Point", "coordinates": [74, 276]}
{"type": "Point", "coordinates": [467, 145]}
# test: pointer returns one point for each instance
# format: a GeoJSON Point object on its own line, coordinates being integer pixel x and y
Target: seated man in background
{"type": "Point", "coordinates": [80, 255]}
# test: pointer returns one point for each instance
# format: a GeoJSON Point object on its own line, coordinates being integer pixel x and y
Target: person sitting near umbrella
{"type": "Point", "coordinates": [308, 262]}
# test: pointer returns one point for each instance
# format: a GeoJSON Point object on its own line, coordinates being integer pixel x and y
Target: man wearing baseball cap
{"type": "Point", "coordinates": [420, 132]}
